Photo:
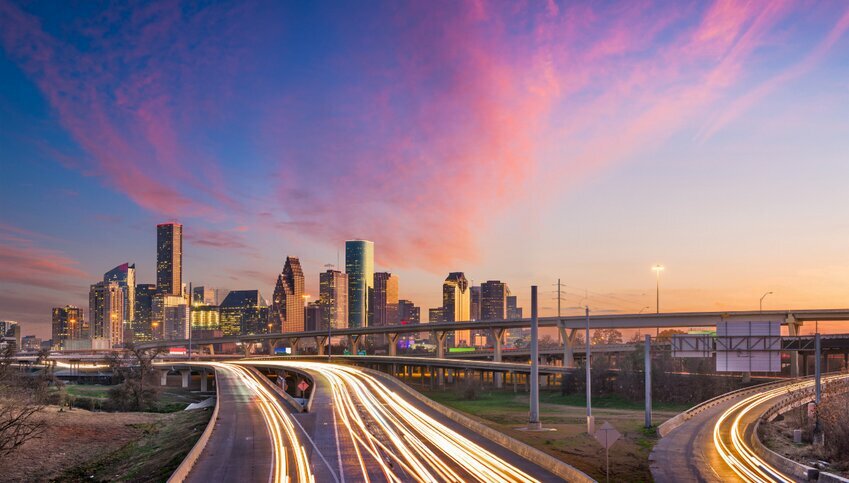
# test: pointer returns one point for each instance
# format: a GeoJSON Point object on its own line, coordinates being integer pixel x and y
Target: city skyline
{"type": "Point", "coordinates": [454, 144]}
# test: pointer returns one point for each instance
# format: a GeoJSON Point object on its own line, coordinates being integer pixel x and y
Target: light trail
{"type": "Point", "coordinates": [738, 455]}
{"type": "Point", "coordinates": [279, 424]}
{"type": "Point", "coordinates": [396, 440]}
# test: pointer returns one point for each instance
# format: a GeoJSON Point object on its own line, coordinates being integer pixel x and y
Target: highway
{"type": "Point", "coordinates": [715, 445]}
{"type": "Point", "coordinates": [379, 434]}
{"type": "Point", "coordinates": [254, 439]}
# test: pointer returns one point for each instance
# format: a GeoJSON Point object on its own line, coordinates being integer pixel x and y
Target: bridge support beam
{"type": "Point", "coordinates": [211, 349]}
{"type": "Point", "coordinates": [204, 384]}
{"type": "Point", "coordinates": [163, 377]}
{"type": "Point", "coordinates": [295, 342]}
{"type": "Point", "coordinates": [187, 377]}
{"type": "Point", "coordinates": [439, 338]}
{"type": "Point", "coordinates": [393, 343]}
{"type": "Point", "coordinates": [319, 344]}
{"type": "Point", "coordinates": [568, 345]}
{"type": "Point", "coordinates": [498, 343]}
{"type": "Point", "coordinates": [793, 328]}
{"type": "Point", "coordinates": [354, 344]}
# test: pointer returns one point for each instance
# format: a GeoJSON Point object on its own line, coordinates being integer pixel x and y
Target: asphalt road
{"type": "Point", "coordinates": [240, 447]}
{"type": "Point", "coordinates": [363, 428]}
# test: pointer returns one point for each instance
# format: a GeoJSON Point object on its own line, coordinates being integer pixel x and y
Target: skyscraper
{"type": "Point", "coordinates": [312, 314]}
{"type": "Point", "coordinates": [359, 265]}
{"type": "Point", "coordinates": [125, 276]}
{"type": "Point", "coordinates": [408, 313]}
{"type": "Point", "coordinates": [172, 315]}
{"type": "Point", "coordinates": [244, 312]}
{"type": "Point", "coordinates": [106, 313]}
{"type": "Point", "coordinates": [475, 302]}
{"type": "Point", "coordinates": [169, 258]}
{"type": "Point", "coordinates": [494, 300]}
{"type": "Point", "coordinates": [513, 312]}
{"type": "Point", "coordinates": [384, 300]}
{"type": "Point", "coordinates": [287, 307]}
{"type": "Point", "coordinates": [205, 296]}
{"type": "Point", "coordinates": [333, 298]}
{"type": "Point", "coordinates": [143, 312]}
{"type": "Point", "coordinates": [455, 305]}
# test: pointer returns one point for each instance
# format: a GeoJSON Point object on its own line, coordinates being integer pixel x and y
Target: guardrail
{"type": "Point", "coordinates": [786, 465]}
{"type": "Point", "coordinates": [672, 423]}
{"type": "Point", "coordinates": [182, 471]}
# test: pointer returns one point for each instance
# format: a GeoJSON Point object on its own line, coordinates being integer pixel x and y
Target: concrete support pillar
{"type": "Point", "coordinates": [187, 377]}
{"type": "Point", "coordinates": [439, 337]}
{"type": "Point", "coordinates": [204, 384]}
{"type": "Point", "coordinates": [210, 348]}
{"type": "Point", "coordinates": [163, 377]}
{"type": "Point", "coordinates": [393, 344]}
{"type": "Point", "coordinates": [354, 344]}
{"type": "Point", "coordinates": [568, 337]}
{"type": "Point", "coordinates": [497, 344]}
{"type": "Point", "coordinates": [320, 342]}
{"type": "Point", "coordinates": [804, 364]}
{"type": "Point", "coordinates": [794, 328]}
{"type": "Point", "coordinates": [295, 342]}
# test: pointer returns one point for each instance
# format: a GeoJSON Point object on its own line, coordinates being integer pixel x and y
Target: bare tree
{"type": "Point", "coordinates": [21, 400]}
{"type": "Point", "coordinates": [133, 368]}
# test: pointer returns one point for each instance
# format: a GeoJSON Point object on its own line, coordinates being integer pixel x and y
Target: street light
{"type": "Point", "coordinates": [657, 269]}
{"type": "Point", "coordinates": [644, 308]}
{"type": "Point", "coordinates": [762, 300]}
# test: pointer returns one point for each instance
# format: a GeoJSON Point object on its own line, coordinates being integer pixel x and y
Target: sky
{"type": "Point", "coordinates": [518, 141]}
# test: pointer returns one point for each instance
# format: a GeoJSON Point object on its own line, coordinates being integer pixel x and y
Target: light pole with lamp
{"type": "Point", "coordinates": [657, 269]}
{"type": "Point", "coordinates": [762, 300]}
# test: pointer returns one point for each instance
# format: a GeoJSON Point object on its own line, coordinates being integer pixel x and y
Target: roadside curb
{"type": "Point", "coordinates": [544, 460]}
{"type": "Point", "coordinates": [182, 471]}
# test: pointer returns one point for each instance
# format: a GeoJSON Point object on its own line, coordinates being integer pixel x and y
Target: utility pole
{"type": "Point", "coordinates": [533, 423]}
{"type": "Point", "coordinates": [818, 376]}
{"type": "Point", "coordinates": [559, 300]}
{"type": "Point", "coordinates": [761, 305]}
{"type": "Point", "coordinates": [647, 372]}
{"type": "Point", "coordinates": [590, 421]}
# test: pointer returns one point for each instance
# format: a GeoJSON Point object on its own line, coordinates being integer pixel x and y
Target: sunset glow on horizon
{"type": "Point", "coordinates": [521, 142]}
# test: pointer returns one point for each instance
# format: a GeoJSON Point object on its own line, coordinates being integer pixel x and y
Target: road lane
{"type": "Point", "coordinates": [384, 436]}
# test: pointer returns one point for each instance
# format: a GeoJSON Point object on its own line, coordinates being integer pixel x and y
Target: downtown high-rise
{"type": "Point", "coordinates": [125, 276]}
{"type": "Point", "coordinates": [494, 295]}
{"type": "Point", "coordinates": [106, 314]}
{"type": "Point", "coordinates": [384, 300]}
{"type": "Point", "coordinates": [68, 324]}
{"type": "Point", "coordinates": [456, 305]}
{"type": "Point", "coordinates": [169, 259]}
{"type": "Point", "coordinates": [333, 300]}
{"type": "Point", "coordinates": [287, 307]}
{"type": "Point", "coordinates": [359, 265]}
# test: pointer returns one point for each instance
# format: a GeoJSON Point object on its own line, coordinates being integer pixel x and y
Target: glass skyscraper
{"type": "Point", "coordinates": [359, 265]}
{"type": "Point", "coordinates": [125, 276]}
{"type": "Point", "coordinates": [169, 258]}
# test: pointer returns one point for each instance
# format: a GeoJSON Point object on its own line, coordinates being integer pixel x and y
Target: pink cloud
{"type": "Point", "coordinates": [25, 263]}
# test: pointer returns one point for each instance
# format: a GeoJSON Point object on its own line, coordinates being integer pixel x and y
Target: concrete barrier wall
{"type": "Point", "coordinates": [182, 471]}
{"type": "Point", "coordinates": [550, 463]}
{"type": "Point", "coordinates": [301, 408]}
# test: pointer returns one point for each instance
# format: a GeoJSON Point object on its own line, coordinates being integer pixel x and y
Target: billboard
{"type": "Point", "coordinates": [748, 347]}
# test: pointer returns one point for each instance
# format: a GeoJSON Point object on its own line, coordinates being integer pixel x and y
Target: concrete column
{"type": "Point", "coordinates": [163, 377]}
{"type": "Point", "coordinates": [319, 344]}
{"type": "Point", "coordinates": [498, 343]}
{"type": "Point", "coordinates": [353, 344]}
{"type": "Point", "coordinates": [204, 385]}
{"type": "Point", "coordinates": [439, 337]}
{"type": "Point", "coordinates": [211, 349]}
{"type": "Point", "coordinates": [533, 420]}
{"type": "Point", "coordinates": [568, 336]}
{"type": "Point", "coordinates": [793, 329]}
{"type": "Point", "coordinates": [187, 377]}
{"type": "Point", "coordinates": [393, 344]}
{"type": "Point", "coordinates": [295, 342]}
{"type": "Point", "coordinates": [647, 372]}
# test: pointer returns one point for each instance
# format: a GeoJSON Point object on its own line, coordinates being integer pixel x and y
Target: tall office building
{"type": "Point", "coordinates": [171, 317]}
{"type": "Point", "coordinates": [408, 313]}
{"type": "Point", "coordinates": [106, 313]}
{"type": "Point", "coordinates": [287, 307]}
{"type": "Point", "coordinates": [384, 300]}
{"type": "Point", "coordinates": [143, 312]}
{"type": "Point", "coordinates": [312, 315]}
{"type": "Point", "coordinates": [513, 312]}
{"type": "Point", "coordinates": [435, 315]}
{"type": "Point", "coordinates": [494, 300]}
{"type": "Point", "coordinates": [359, 265]}
{"type": "Point", "coordinates": [169, 258]}
{"type": "Point", "coordinates": [68, 324]}
{"type": "Point", "coordinates": [475, 302]}
{"type": "Point", "coordinates": [244, 312]}
{"type": "Point", "coordinates": [125, 276]}
{"type": "Point", "coordinates": [333, 299]}
{"type": "Point", "coordinates": [205, 295]}
{"type": "Point", "coordinates": [456, 305]}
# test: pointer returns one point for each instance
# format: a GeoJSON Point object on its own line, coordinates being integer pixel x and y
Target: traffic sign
{"type": "Point", "coordinates": [303, 386]}
{"type": "Point", "coordinates": [607, 435]}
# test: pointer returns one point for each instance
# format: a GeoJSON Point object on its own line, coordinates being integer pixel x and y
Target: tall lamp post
{"type": "Point", "coordinates": [762, 300]}
{"type": "Point", "coordinates": [657, 269]}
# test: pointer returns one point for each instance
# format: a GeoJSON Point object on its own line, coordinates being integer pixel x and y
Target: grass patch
{"type": "Point", "coordinates": [151, 458]}
{"type": "Point", "coordinates": [505, 400]}
{"type": "Point", "coordinates": [88, 390]}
